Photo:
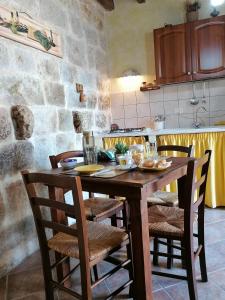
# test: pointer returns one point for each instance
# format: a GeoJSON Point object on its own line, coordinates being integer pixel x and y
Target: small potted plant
{"type": "Point", "coordinates": [120, 149]}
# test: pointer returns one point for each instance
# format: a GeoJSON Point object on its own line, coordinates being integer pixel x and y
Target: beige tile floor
{"type": "Point", "coordinates": [26, 281]}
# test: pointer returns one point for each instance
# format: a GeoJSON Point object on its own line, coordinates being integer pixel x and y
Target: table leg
{"type": "Point", "coordinates": [140, 248]}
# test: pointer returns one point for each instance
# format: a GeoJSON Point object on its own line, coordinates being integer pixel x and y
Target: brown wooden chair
{"type": "Point", "coordinates": [86, 241]}
{"type": "Point", "coordinates": [176, 223]}
{"type": "Point", "coordinates": [167, 198]}
{"type": "Point", "coordinates": [96, 208]}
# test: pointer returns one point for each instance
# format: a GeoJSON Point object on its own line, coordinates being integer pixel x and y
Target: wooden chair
{"type": "Point", "coordinates": [176, 223]}
{"type": "Point", "coordinates": [96, 208]}
{"type": "Point", "coordinates": [167, 198]}
{"type": "Point", "coordinates": [86, 241]}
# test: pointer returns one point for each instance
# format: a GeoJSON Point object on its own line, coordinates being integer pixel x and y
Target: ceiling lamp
{"type": "Point", "coordinates": [215, 3]}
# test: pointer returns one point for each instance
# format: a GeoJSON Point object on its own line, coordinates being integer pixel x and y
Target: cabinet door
{"type": "Point", "coordinates": [173, 54]}
{"type": "Point", "coordinates": [208, 48]}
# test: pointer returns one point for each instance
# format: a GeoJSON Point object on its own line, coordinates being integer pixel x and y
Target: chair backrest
{"type": "Point", "coordinates": [195, 188]}
{"type": "Point", "coordinates": [176, 148]}
{"type": "Point", "coordinates": [54, 159]}
{"type": "Point", "coordinates": [45, 221]}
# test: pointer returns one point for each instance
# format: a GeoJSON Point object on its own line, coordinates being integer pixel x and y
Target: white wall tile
{"type": "Point", "coordinates": [117, 99]}
{"type": "Point", "coordinates": [156, 95]}
{"type": "Point", "coordinates": [172, 121]}
{"type": "Point", "coordinates": [131, 123]}
{"type": "Point", "coordinates": [201, 89]}
{"type": "Point", "coordinates": [217, 103]}
{"type": "Point", "coordinates": [157, 108]}
{"type": "Point", "coordinates": [217, 87]}
{"type": "Point", "coordinates": [185, 91]}
{"type": "Point", "coordinates": [171, 107]}
{"type": "Point", "coordinates": [145, 122]}
{"type": "Point", "coordinates": [130, 111]}
{"type": "Point", "coordinates": [216, 117]}
{"type": "Point", "coordinates": [186, 120]}
{"type": "Point", "coordinates": [120, 122]}
{"type": "Point", "coordinates": [130, 98]}
{"type": "Point", "coordinates": [142, 97]}
{"type": "Point", "coordinates": [143, 110]}
{"type": "Point", "coordinates": [117, 112]}
{"type": "Point", "coordinates": [185, 107]}
{"type": "Point", "coordinates": [170, 92]}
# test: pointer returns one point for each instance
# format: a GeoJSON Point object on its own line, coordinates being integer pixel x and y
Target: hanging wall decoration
{"type": "Point", "coordinates": [15, 26]}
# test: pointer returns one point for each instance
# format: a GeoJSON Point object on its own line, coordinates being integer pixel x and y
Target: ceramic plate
{"type": "Point", "coordinates": [88, 169]}
{"type": "Point", "coordinates": [166, 166]}
{"type": "Point", "coordinates": [126, 167]}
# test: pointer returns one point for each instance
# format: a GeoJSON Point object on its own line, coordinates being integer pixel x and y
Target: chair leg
{"type": "Point", "coordinates": [201, 241]}
{"type": "Point", "coordinates": [183, 260]}
{"type": "Point", "coordinates": [190, 267]}
{"type": "Point", "coordinates": [130, 270]}
{"type": "Point", "coordinates": [156, 249]}
{"type": "Point", "coordinates": [169, 252]}
{"type": "Point", "coordinates": [95, 269]}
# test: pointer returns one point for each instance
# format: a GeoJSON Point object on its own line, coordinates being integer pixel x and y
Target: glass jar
{"type": "Point", "coordinates": [89, 148]}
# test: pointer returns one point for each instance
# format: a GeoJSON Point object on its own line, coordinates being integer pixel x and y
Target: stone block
{"type": "Point", "coordinates": [91, 58]}
{"type": "Point", "coordinates": [104, 103]}
{"type": "Point", "coordinates": [23, 60]}
{"type": "Point", "coordinates": [75, 51]}
{"type": "Point", "coordinates": [49, 68]}
{"type": "Point", "coordinates": [53, 13]}
{"type": "Point", "coordinates": [5, 125]}
{"type": "Point", "coordinates": [45, 120]}
{"type": "Point", "coordinates": [65, 142]}
{"type": "Point", "coordinates": [91, 36]}
{"type": "Point", "coordinates": [91, 101]}
{"type": "Point", "coordinates": [17, 201]}
{"type": "Point", "coordinates": [54, 93]}
{"type": "Point", "coordinates": [73, 98]}
{"type": "Point", "coordinates": [43, 147]}
{"type": "Point", "coordinates": [101, 60]}
{"type": "Point", "coordinates": [65, 120]}
{"type": "Point", "coordinates": [23, 122]}
{"type": "Point", "coordinates": [68, 73]}
{"type": "Point", "coordinates": [24, 90]}
{"type": "Point", "coordinates": [15, 157]}
{"type": "Point", "coordinates": [4, 56]}
{"type": "Point", "coordinates": [76, 27]}
{"type": "Point", "coordinates": [83, 121]}
{"type": "Point", "coordinates": [101, 120]}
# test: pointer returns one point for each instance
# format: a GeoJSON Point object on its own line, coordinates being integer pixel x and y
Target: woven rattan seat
{"type": "Point", "coordinates": [163, 198]}
{"type": "Point", "coordinates": [102, 239]}
{"type": "Point", "coordinates": [97, 206]}
{"type": "Point", "coordinates": [166, 221]}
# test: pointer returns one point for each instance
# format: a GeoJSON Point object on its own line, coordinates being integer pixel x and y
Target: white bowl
{"type": "Point", "coordinates": [68, 164]}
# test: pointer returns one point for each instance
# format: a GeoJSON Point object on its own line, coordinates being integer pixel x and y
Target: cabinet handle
{"type": "Point", "coordinates": [189, 73]}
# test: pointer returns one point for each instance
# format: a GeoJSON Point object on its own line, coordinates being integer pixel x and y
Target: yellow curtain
{"type": "Point", "coordinates": [215, 141]}
{"type": "Point", "coordinates": [109, 143]}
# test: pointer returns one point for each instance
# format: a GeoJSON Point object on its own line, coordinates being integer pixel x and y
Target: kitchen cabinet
{"type": "Point", "coordinates": [173, 54]}
{"type": "Point", "coordinates": [190, 51]}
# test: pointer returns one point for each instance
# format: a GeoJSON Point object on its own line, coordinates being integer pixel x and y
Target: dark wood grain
{"type": "Point", "coordinates": [208, 48]}
{"type": "Point", "coordinates": [173, 54]}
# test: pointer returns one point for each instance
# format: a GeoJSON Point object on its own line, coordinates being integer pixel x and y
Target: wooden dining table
{"type": "Point", "coordinates": [136, 186]}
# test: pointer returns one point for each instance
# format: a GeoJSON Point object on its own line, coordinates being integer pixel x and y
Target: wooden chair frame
{"type": "Point", "coordinates": [81, 232]}
{"type": "Point", "coordinates": [175, 148]}
{"type": "Point", "coordinates": [190, 207]}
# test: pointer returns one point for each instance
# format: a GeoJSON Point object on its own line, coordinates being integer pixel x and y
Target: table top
{"type": "Point", "coordinates": [135, 178]}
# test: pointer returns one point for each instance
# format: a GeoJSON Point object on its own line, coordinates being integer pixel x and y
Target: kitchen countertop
{"type": "Point", "coordinates": [151, 132]}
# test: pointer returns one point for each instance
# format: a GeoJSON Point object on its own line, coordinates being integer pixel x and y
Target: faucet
{"type": "Point", "coordinates": [196, 123]}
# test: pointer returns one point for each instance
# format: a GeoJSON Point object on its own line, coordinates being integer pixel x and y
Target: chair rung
{"type": "Point", "coordinates": [173, 246]}
{"type": "Point", "coordinates": [58, 262]}
{"type": "Point", "coordinates": [166, 254]}
{"type": "Point", "coordinates": [197, 252]}
{"type": "Point", "coordinates": [69, 291]}
{"type": "Point", "coordinates": [68, 275]}
{"type": "Point", "coordinates": [111, 272]}
{"type": "Point", "coordinates": [169, 275]}
{"type": "Point", "coordinates": [116, 292]}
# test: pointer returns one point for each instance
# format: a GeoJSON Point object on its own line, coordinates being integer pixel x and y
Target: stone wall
{"type": "Point", "coordinates": [45, 85]}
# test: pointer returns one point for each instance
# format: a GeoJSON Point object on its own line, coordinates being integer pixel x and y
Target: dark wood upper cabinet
{"type": "Point", "coordinates": [172, 54]}
{"type": "Point", "coordinates": [190, 51]}
{"type": "Point", "coordinates": [208, 48]}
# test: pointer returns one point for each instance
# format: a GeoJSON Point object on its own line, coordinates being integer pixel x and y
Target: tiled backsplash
{"type": "Point", "coordinates": [138, 109]}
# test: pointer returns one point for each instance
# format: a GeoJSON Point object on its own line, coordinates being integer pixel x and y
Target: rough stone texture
{"type": "Point", "coordinates": [104, 103]}
{"type": "Point", "coordinates": [4, 56]}
{"type": "Point", "coordinates": [55, 94]}
{"type": "Point", "coordinates": [77, 122]}
{"type": "Point", "coordinates": [101, 120]}
{"type": "Point", "coordinates": [65, 120]}
{"type": "Point", "coordinates": [23, 122]}
{"type": "Point", "coordinates": [15, 157]}
{"type": "Point", "coordinates": [45, 84]}
{"type": "Point", "coordinates": [5, 126]}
